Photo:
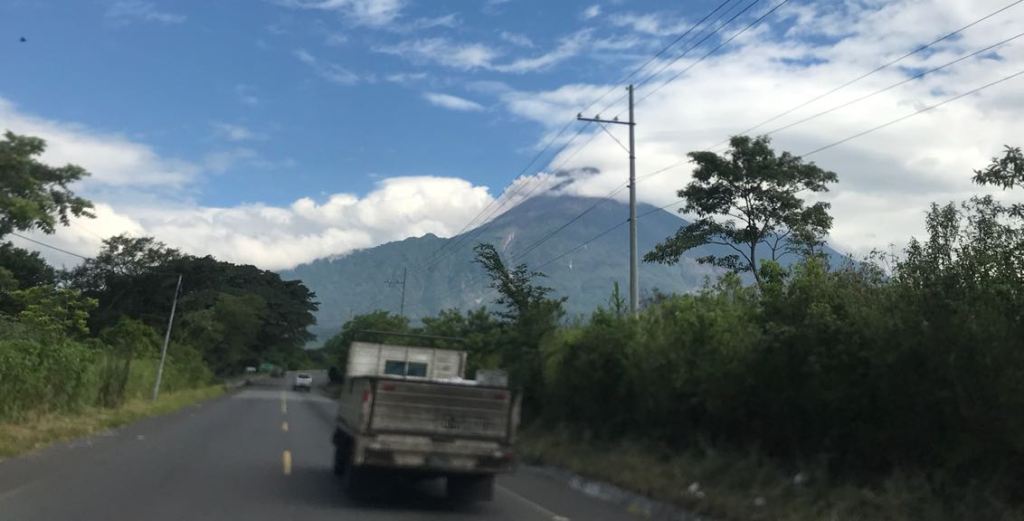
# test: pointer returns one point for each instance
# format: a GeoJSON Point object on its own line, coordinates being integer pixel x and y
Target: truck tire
{"type": "Point", "coordinates": [466, 489]}
{"type": "Point", "coordinates": [341, 460]}
{"type": "Point", "coordinates": [362, 484]}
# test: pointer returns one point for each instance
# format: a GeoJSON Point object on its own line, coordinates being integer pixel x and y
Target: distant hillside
{"type": "Point", "coordinates": [355, 283]}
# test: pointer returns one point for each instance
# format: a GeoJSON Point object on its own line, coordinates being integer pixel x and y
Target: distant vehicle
{"type": "Point", "coordinates": [409, 410]}
{"type": "Point", "coordinates": [250, 370]}
{"type": "Point", "coordinates": [303, 382]}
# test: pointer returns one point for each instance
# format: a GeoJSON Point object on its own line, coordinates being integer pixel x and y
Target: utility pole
{"type": "Point", "coordinates": [167, 339]}
{"type": "Point", "coordinates": [634, 259]}
{"type": "Point", "coordinates": [393, 282]}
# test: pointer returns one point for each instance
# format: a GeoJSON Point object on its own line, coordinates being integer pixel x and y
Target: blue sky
{"type": "Point", "coordinates": [275, 132]}
{"type": "Point", "coordinates": [323, 100]}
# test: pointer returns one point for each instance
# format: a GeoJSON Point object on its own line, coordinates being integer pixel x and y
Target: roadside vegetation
{"type": "Point", "coordinates": [79, 348]}
{"type": "Point", "coordinates": [887, 388]}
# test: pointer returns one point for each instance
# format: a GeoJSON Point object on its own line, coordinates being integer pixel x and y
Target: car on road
{"type": "Point", "coordinates": [303, 382]}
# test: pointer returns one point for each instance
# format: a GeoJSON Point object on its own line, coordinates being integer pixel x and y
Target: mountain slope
{"type": "Point", "coordinates": [355, 283]}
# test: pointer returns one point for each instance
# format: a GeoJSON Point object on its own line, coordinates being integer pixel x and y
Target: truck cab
{"type": "Point", "coordinates": [410, 411]}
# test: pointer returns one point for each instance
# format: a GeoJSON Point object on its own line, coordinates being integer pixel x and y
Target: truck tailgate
{"type": "Point", "coordinates": [441, 409]}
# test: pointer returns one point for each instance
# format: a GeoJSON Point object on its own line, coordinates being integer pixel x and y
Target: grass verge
{"type": "Point", "coordinates": [734, 487]}
{"type": "Point", "coordinates": [41, 430]}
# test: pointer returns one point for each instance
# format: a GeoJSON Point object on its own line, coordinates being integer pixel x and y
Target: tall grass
{"type": "Point", "coordinates": [39, 376]}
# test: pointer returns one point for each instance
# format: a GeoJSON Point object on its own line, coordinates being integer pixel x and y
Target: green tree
{"type": "Point", "coordinates": [34, 195]}
{"type": "Point", "coordinates": [337, 346]}
{"type": "Point", "coordinates": [56, 313]}
{"type": "Point", "coordinates": [26, 267]}
{"type": "Point", "coordinates": [529, 315]}
{"type": "Point", "coordinates": [747, 198]}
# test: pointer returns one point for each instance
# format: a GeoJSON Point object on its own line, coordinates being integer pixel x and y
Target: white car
{"type": "Point", "coordinates": [303, 382]}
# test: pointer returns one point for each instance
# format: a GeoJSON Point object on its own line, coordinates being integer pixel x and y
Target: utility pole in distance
{"type": "Point", "coordinates": [393, 282]}
{"type": "Point", "coordinates": [167, 338]}
{"type": "Point", "coordinates": [634, 259]}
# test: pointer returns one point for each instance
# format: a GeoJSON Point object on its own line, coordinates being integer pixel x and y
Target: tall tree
{"type": "Point", "coordinates": [529, 315]}
{"type": "Point", "coordinates": [747, 198]}
{"type": "Point", "coordinates": [34, 195]}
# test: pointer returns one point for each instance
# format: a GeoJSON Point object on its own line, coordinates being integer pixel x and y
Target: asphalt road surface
{"type": "Point", "coordinates": [262, 453]}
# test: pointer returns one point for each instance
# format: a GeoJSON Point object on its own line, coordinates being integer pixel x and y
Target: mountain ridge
{"type": "Point", "coordinates": [355, 283]}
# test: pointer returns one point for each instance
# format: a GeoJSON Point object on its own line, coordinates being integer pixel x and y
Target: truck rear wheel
{"type": "Point", "coordinates": [362, 484]}
{"type": "Point", "coordinates": [470, 488]}
{"type": "Point", "coordinates": [341, 463]}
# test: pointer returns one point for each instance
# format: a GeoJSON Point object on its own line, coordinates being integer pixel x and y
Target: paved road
{"type": "Point", "coordinates": [226, 459]}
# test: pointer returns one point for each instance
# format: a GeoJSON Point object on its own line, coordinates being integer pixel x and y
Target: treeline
{"type": "Point", "coordinates": [92, 335]}
{"type": "Point", "coordinates": [898, 363]}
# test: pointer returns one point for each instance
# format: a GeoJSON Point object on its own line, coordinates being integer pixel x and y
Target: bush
{"type": "Point", "coordinates": [43, 377]}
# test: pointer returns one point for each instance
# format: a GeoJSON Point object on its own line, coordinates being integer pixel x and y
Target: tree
{"type": "Point", "coordinates": [337, 346]}
{"type": "Point", "coordinates": [122, 259]}
{"type": "Point", "coordinates": [747, 198]}
{"type": "Point", "coordinates": [27, 267]}
{"type": "Point", "coordinates": [56, 313]}
{"type": "Point", "coordinates": [20, 268]}
{"type": "Point", "coordinates": [529, 316]}
{"type": "Point", "coordinates": [1005, 172]}
{"type": "Point", "coordinates": [522, 298]}
{"type": "Point", "coordinates": [34, 195]}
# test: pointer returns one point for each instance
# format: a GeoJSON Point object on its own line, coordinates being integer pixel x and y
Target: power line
{"type": "Point", "coordinates": [702, 58]}
{"type": "Point", "coordinates": [557, 135]}
{"type": "Point", "coordinates": [859, 99]}
{"type": "Point", "coordinates": [52, 247]}
{"type": "Point", "coordinates": [716, 49]}
{"type": "Point", "coordinates": [602, 234]}
{"type": "Point", "coordinates": [915, 113]}
{"type": "Point", "coordinates": [894, 85]}
{"type": "Point", "coordinates": [873, 71]}
{"type": "Point", "coordinates": [472, 234]}
{"type": "Point", "coordinates": [686, 51]}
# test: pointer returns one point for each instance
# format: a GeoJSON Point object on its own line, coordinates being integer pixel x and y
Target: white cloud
{"type": "Point", "coordinates": [331, 72]}
{"type": "Point", "coordinates": [127, 11]}
{"type": "Point", "coordinates": [336, 39]}
{"type": "Point", "coordinates": [470, 56]}
{"type": "Point", "coordinates": [567, 48]}
{"type": "Point", "coordinates": [655, 24]}
{"type": "Point", "coordinates": [442, 51]}
{"type": "Point", "coordinates": [452, 102]}
{"type": "Point", "coordinates": [236, 132]}
{"type": "Point", "coordinates": [887, 178]}
{"type": "Point", "coordinates": [373, 13]}
{"type": "Point", "coordinates": [247, 95]}
{"type": "Point", "coordinates": [273, 237]}
{"type": "Point", "coordinates": [591, 12]}
{"type": "Point", "coordinates": [447, 21]}
{"type": "Point", "coordinates": [516, 39]}
{"type": "Point", "coordinates": [406, 77]}
{"type": "Point", "coordinates": [113, 159]}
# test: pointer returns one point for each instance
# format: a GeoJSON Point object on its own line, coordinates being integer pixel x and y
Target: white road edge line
{"type": "Point", "coordinates": [533, 504]}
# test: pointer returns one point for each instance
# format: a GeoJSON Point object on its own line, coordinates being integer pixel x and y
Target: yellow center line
{"type": "Point", "coordinates": [286, 462]}
{"type": "Point", "coordinates": [284, 426]}
{"type": "Point", "coordinates": [284, 403]}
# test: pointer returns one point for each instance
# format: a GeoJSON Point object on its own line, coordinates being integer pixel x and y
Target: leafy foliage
{"type": "Point", "coordinates": [238, 315]}
{"type": "Point", "coordinates": [34, 195]}
{"type": "Point", "coordinates": [747, 198]}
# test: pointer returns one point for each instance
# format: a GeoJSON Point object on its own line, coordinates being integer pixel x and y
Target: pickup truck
{"type": "Point", "coordinates": [409, 411]}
